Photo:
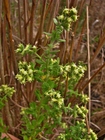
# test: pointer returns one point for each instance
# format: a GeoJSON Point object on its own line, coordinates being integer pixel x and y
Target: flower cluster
{"type": "Point", "coordinates": [29, 49]}
{"type": "Point", "coordinates": [64, 70]}
{"type": "Point", "coordinates": [68, 16]}
{"type": "Point", "coordinates": [80, 127]}
{"type": "Point", "coordinates": [84, 98]}
{"type": "Point", "coordinates": [77, 71]}
{"type": "Point", "coordinates": [79, 111]}
{"type": "Point", "coordinates": [73, 71]}
{"type": "Point", "coordinates": [55, 97]}
{"type": "Point", "coordinates": [5, 90]}
{"type": "Point", "coordinates": [26, 72]}
{"type": "Point", "coordinates": [78, 132]}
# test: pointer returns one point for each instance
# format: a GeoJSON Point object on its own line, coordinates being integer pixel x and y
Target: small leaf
{"type": "Point", "coordinates": [55, 21]}
{"type": "Point", "coordinates": [25, 138]}
{"type": "Point", "coordinates": [39, 61]}
{"type": "Point", "coordinates": [49, 34]}
{"type": "Point", "coordinates": [40, 119]}
{"type": "Point", "coordinates": [61, 40]}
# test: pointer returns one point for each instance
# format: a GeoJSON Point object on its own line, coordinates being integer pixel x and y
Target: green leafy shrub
{"type": "Point", "coordinates": [5, 93]}
{"type": "Point", "coordinates": [51, 114]}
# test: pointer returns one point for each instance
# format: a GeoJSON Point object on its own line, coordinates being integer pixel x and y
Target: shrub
{"type": "Point", "coordinates": [51, 114]}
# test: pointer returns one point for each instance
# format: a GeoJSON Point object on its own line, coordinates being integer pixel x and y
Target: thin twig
{"type": "Point", "coordinates": [85, 85]}
{"type": "Point", "coordinates": [16, 103]}
{"type": "Point", "coordinates": [88, 48]}
{"type": "Point", "coordinates": [1, 54]}
{"type": "Point", "coordinates": [42, 137]}
{"type": "Point", "coordinates": [96, 126]}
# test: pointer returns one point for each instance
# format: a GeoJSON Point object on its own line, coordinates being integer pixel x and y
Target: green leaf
{"type": "Point", "coordinates": [61, 40]}
{"type": "Point", "coordinates": [40, 119]}
{"type": "Point", "coordinates": [39, 61]}
{"type": "Point", "coordinates": [38, 95]}
{"type": "Point", "coordinates": [25, 138]}
{"type": "Point", "coordinates": [49, 34]}
{"type": "Point", "coordinates": [55, 21]}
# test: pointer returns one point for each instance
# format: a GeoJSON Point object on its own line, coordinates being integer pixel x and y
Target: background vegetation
{"type": "Point", "coordinates": [25, 21]}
